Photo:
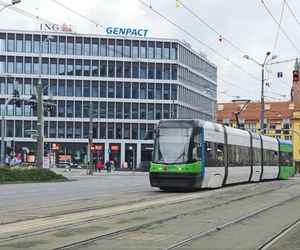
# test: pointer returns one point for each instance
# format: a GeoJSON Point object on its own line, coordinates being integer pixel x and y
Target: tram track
{"type": "Point", "coordinates": [91, 219]}
{"type": "Point", "coordinates": [279, 235]}
{"type": "Point", "coordinates": [235, 221]}
{"type": "Point", "coordinates": [160, 221]}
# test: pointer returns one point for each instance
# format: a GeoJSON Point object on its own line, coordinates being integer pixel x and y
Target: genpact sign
{"type": "Point", "coordinates": [126, 31]}
{"type": "Point", "coordinates": [55, 27]}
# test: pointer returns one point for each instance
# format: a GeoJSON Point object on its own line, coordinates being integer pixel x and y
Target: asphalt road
{"type": "Point", "coordinates": [80, 185]}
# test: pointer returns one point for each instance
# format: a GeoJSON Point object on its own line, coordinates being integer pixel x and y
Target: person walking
{"type": "Point", "coordinates": [108, 165]}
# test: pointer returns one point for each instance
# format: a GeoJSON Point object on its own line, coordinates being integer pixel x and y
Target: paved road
{"type": "Point", "coordinates": [82, 185]}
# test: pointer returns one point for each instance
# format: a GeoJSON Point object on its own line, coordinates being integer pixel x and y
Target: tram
{"type": "Point", "coordinates": [193, 154]}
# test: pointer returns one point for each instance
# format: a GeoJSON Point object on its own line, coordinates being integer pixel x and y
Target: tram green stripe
{"type": "Point", "coordinates": [286, 148]}
{"type": "Point", "coordinates": [195, 167]}
{"type": "Point", "coordinates": [286, 172]}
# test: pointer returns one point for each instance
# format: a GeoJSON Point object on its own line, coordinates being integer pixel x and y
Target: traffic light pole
{"type": "Point", "coordinates": [91, 140]}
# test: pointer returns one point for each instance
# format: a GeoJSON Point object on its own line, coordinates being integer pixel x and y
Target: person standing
{"type": "Point", "coordinates": [99, 166]}
{"type": "Point", "coordinates": [108, 165]}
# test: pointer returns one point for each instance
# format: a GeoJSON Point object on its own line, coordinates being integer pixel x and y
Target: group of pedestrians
{"type": "Point", "coordinates": [109, 165]}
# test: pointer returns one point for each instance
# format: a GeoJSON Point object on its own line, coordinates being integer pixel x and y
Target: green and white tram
{"type": "Point", "coordinates": [192, 154]}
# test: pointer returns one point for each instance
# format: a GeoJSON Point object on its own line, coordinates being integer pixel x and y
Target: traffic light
{"type": "Point", "coordinates": [33, 102]}
{"type": "Point", "coordinates": [17, 95]}
{"type": "Point", "coordinates": [46, 145]}
{"type": "Point", "coordinates": [295, 76]}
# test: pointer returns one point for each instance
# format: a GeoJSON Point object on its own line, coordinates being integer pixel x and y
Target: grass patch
{"type": "Point", "coordinates": [12, 175]}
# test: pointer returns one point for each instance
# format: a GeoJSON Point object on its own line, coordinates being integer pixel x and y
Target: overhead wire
{"type": "Point", "coordinates": [287, 37]}
{"type": "Point", "coordinates": [197, 39]}
{"type": "Point", "coordinates": [216, 32]}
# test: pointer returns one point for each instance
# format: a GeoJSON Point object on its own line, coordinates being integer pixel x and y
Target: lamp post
{"type": "Point", "coordinates": [209, 91]}
{"type": "Point", "coordinates": [262, 101]}
{"type": "Point", "coordinates": [40, 114]}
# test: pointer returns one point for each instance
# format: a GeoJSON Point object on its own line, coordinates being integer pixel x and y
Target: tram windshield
{"type": "Point", "coordinates": [172, 145]}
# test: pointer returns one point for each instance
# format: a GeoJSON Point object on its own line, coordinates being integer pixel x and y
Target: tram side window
{"type": "Point", "coordinates": [270, 157]}
{"type": "Point", "coordinates": [214, 154]}
{"type": "Point", "coordinates": [238, 156]}
{"type": "Point", "coordinates": [196, 153]}
{"type": "Point", "coordinates": [286, 159]}
{"type": "Point", "coordinates": [256, 157]}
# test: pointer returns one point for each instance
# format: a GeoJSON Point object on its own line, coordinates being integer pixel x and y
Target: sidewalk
{"type": "Point", "coordinates": [75, 172]}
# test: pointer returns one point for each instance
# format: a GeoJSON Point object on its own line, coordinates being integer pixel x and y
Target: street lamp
{"type": "Point", "coordinates": [40, 112]}
{"type": "Point", "coordinates": [262, 102]}
{"type": "Point", "coordinates": [13, 2]}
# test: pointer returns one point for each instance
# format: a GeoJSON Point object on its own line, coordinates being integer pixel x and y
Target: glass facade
{"type": "Point", "coordinates": [131, 82]}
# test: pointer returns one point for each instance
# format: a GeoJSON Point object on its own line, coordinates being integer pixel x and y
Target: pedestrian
{"type": "Point", "coordinates": [107, 165]}
{"type": "Point", "coordinates": [99, 166]}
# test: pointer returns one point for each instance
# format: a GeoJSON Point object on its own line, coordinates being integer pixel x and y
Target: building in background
{"type": "Point", "coordinates": [132, 83]}
{"type": "Point", "coordinates": [282, 119]}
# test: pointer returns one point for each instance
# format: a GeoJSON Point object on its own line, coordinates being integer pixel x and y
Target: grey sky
{"type": "Point", "coordinates": [245, 24]}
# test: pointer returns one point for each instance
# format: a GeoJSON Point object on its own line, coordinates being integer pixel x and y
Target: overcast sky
{"type": "Point", "coordinates": [246, 27]}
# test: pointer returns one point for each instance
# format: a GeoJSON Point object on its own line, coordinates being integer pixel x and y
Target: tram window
{"type": "Point", "coordinates": [286, 159]}
{"type": "Point", "coordinates": [270, 157]}
{"type": "Point", "coordinates": [196, 153]}
{"type": "Point", "coordinates": [214, 156]}
{"type": "Point", "coordinates": [238, 155]}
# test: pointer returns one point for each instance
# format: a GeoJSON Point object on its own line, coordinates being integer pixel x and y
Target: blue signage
{"type": "Point", "coordinates": [279, 74]}
{"type": "Point", "coordinates": [126, 31]}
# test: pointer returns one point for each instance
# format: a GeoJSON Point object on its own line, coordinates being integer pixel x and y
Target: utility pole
{"type": "Point", "coordinates": [40, 111]}
{"type": "Point", "coordinates": [91, 140]}
{"type": "Point", "coordinates": [262, 100]}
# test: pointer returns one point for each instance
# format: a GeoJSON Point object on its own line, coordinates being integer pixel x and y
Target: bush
{"type": "Point", "coordinates": [8, 175]}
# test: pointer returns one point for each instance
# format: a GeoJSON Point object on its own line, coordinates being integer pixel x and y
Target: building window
{"type": "Point", "coordinates": [111, 89]}
{"type": "Point", "coordinates": [111, 47]}
{"type": "Point", "coordinates": [110, 130]}
{"type": "Point", "coordinates": [118, 130]}
{"type": "Point", "coordinates": [127, 90]}
{"type": "Point", "coordinates": [78, 46]}
{"type": "Point", "coordinates": [78, 68]}
{"type": "Point", "coordinates": [127, 70]}
{"type": "Point", "coordinates": [78, 108]}
{"type": "Point", "coordinates": [111, 110]}
{"type": "Point", "coordinates": [103, 89]}
{"type": "Point", "coordinates": [70, 109]}
{"type": "Point", "coordinates": [70, 88]}
{"type": "Point", "coordinates": [134, 131]}
{"type": "Point", "coordinates": [126, 131]}
{"type": "Point", "coordinates": [135, 90]}
{"type": "Point", "coordinates": [126, 114]}
{"type": "Point", "coordinates": [119, 90]}
{"type": "Point", "coordinates": [95, 89]}
{"type": "Point", "coordinates": [102, 109]}
{"type": "Point", "coordinates": [119, 110]}
{"type": "Point", "coordinates": [86, 89]}
{"type": "Point", "coordinates": [103, 47]}
{"type": "Point", "coordinates": [102, 130]}
{"type": "Point", "coordinates": [111, 69]}
{"type": "Point", "coordinates": [103, 68]}
{"type": "Point", "coordinates": [61, 108]}
{"type": "Point", "coordinates": [127, 48]}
